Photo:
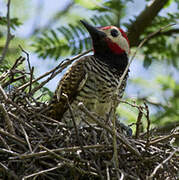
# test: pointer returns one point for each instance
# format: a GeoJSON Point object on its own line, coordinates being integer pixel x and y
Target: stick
{"type": "Point", "coordinates": [26, 137]}
{"type": "Point", "coordinates": [148, 124]}
{"type": "Point", "coordinates": [7, 119]}
{"type": "Point", "coordinates": [9, 36]}
{"type": "Point", "coordinates": [41, 172]}
{"type": "Point", "coordinates": [161, 164]}
{"type": "Point", "coordinates": [140, 45]}
{"type": "Point", "coordinates": [138, 124]}
{"type": "Point", "coordinates": [118, 136]}
{"type": "Point", "coordinates": [60, 150]}
{"type": "Point", "coordinates": [12, 136]}
{"type": "Point", "coordinates": [62, 65]}
{"type": "Point", "coordinates": [9, 172]}
{"type": "Point", "coordinates": [74, 124]}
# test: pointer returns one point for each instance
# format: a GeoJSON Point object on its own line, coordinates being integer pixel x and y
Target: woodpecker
{"type": "Point", "coordinates": [93, 79]}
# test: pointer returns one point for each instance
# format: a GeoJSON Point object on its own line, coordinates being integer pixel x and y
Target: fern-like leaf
{"type": "Point", "coordinates": [68, 40]}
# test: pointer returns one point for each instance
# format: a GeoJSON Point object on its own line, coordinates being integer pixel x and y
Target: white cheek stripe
{"type": "Point", "coordinates": [120, 40]}
{"type": "Point", "coordinates": [123, 43]}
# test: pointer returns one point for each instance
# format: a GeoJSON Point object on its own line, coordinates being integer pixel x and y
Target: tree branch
{"type": "Point", "coordinates": [170, 32]}
{"type": "Point", "coordinates": [144, 20]}
{"type": "Point", "coordinates": [9, 36]}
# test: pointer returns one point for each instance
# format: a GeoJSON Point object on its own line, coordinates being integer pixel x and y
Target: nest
{"type": "Point", "coordinates": [35, 146]}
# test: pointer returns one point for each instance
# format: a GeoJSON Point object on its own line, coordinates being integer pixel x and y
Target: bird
{"type": "Point", "coordinates": [93, 79]}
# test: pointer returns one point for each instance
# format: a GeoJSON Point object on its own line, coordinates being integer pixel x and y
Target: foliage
{"type": "Point", "coordinates": [162, 46]}
{"type": "Point", "coordinates": [73, 39]}
{"type": "Point", "coordinates": [169, 107]}
{"type": "Point", "coordinates": [14, 22]}
{"type": "Point", "coordinates": [69, 37]}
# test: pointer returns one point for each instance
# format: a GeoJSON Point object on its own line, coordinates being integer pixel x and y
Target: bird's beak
{"type": "Point", "coordinates": [94, 32]}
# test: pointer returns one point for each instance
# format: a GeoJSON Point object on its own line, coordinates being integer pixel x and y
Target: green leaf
{"type": "Point", "coordinates": [147, 61]}
{"type": "Point", "coordinates": [88, 4]}
{"type": "Point", "coordinates": [14, 22]}
{"type": "Point", "coordinates": [68, 40]}
{"type": "Point", "coordinates": [168, 3]}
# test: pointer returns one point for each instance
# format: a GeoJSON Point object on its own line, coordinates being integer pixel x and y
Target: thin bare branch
{"type": "Point", "coordinates": [7, 119]}
{"type": "Point", "coordinates": [138, 124]}
{"type": "Point", "coordinates": [11, 174]}
{"type": "Point", "coordinates": [27, 138]}
{"type": "Point", "coordinates": [60, 150]}
{"type": "Point", "coordinates": [162, 163]}
{"type": "Point", "coordinates": [118, 136]}
{"type": "Point", "coordinates": [9, 36]}
{"type": "Point", "coordinates": [54, 71]}
{"type": "Point", "coordinates": [143, 20]}
{"type": "Point", "coordinates": [15, 138]}
{"type": "Point", "coordinates": [41, 172]}
{"type": "Point", "coordinates": [140, 45]}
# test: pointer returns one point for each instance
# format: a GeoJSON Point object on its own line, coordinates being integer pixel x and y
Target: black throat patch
{"type": "Point", "coordinates": [117, 61]}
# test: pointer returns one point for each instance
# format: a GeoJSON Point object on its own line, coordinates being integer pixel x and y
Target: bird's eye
{"type": "Point", "coordinates": [114, 33]}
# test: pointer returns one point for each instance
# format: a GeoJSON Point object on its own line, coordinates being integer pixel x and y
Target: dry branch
{"type": "Point", "coordinates": [93, 143]}
{"type": "Point", "coordinates": [143, 20]}
{"type": "Point", "coordinates": [54, 149]}
{"type": "Point", "coordinates": [9, 36]}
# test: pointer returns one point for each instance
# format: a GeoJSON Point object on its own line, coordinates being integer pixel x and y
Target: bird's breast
{"type": "Point", "coordinates": [98, 90]}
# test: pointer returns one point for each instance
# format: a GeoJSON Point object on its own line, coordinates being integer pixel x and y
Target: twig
{"type": "Point", "coordinates": [122, 174]}
{"type": "Point", "coordinates": [164, 138]}
{"type": "Point", "coordinates": [60, 67]}
{"type": "Point", "coordinates": [8, 100]}
{"type": "Point", "coordinates": [28, 125]}
{"type": "Point", "coordinates": [41, 172]}
{"type": "Point", "coordinates": [9, 36]}
{"type": "Point", "coordinates": [144, 19]}
{"type": "Point", "coordinates": [10, 152]}
{"type": "Point", "coordinates": [5, 143]}
{"type": "Point", "coordinates": [161, 164]}
{"type": "Point", "coordinates": [107, 172]}
{"type": "Point", "coordinates": [54, 154]}
{"type": "Point", "coordinates": [3, 93]}
{"type": "Point", "coordinates": [68, 164]}
{"type": "Point", "coordinates": [12, 136]}
{"type": "Point", "coordinates": [6, 116]}
{"type": "Point", "coordinates": [118, 136]}
{"type": "Point", "coordinates": [115, 155]}
{"type": "Point", "coordinates": [31, 78]}
{"type": "Point", "coordinates": [27, 54]}
{"type": "Point", "coordinates": [11, 174]}
{"type": "Point", "coordinates": [31, 69]}
{"type": "Point", "coordinates": [18, 62]}
{"type": "Point", "coordinates": [74, 123]}
{"type": "Point", "coordinates": [138, 124]}
{"type": "Point", "coordinates": [52, 120]}
{"type": "Point", "coordinates": [12, 80]}
{"type": "Point", "coordinates": [60, 150]}
{"type": "Point", "coordinates": [7, 119]}
{"type": "Point", "coordinates": [11, 71]}
{"type": "Point", "coordinates": [133, 105]}
{"type": "Point", "coordinates": [133, 56]}
{"type": "Point", "coordinates": [26, 137]}
{"type": "Point", "coordinates": [148, 124]}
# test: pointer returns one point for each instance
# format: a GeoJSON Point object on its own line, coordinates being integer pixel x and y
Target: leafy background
{"type": "Point", "coordinates": [50, 32]}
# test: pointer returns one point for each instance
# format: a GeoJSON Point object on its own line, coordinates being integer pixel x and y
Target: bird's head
{"type": "Point", "coordinates": [109, 39]}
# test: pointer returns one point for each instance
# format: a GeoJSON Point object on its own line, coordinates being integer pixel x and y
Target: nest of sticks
{"type": "Point", "coordinates": [34, 146]}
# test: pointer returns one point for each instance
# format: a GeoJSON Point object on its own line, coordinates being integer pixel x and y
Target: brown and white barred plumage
{"type": "Point", "coordinates": [92, 80]}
